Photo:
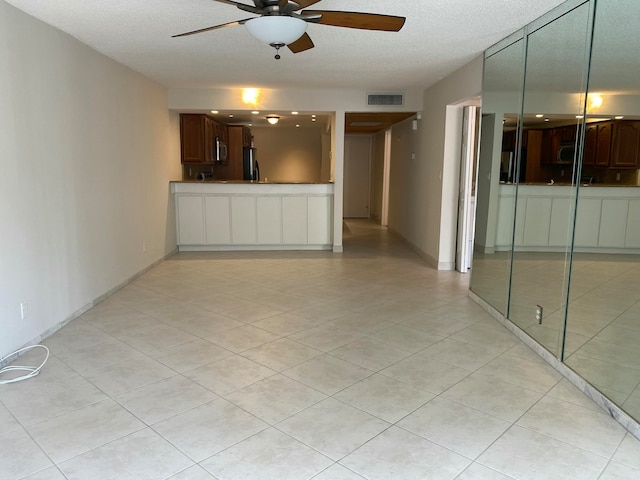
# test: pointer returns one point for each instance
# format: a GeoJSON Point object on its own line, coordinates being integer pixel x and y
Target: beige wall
{"type": "Point", "coordinates": [288, 154]}
{"type": "Point", "coordinates": [423, 192]}
{"type": "Point", "coordinates": [377, 173]}
{"type": "Point", "coordinates": [87, 148]}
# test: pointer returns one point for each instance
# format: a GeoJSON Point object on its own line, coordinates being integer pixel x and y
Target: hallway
{"type": "Point", "coordinates": [299, 365]}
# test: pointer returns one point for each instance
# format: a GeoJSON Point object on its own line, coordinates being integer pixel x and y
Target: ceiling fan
{"type": "Point", "coordinates": [280, 22]}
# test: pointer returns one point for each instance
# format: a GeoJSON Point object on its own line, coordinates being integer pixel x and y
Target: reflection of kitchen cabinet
{"type": "Point", "coordinates": [625, 147]}
{"type": "Point", "coordinates": [597, 144]}
{"type": "Point", "coordinates": [551, 140]}
{"type": "Point", "coordinates": [569, 133]}
{"type": "Point", "coordinates": [603, 144]}
{"type": "Point", "coordinates": [590, 144]}
{"type": "Point", "coordinates": [197, 137]}
{"type": "Point", "coordinates": [509, 141]}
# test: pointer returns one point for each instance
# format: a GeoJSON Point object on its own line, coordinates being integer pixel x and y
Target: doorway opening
{"type": "Point", "coordinates": [467, 186]}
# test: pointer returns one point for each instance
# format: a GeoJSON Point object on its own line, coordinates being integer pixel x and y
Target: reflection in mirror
{"type": "Point", "coordinates": [502, 93]}
{"type": "Point", "coordinates": [603, 327]}
{"type": "Point", "coordinates": [556, 68]}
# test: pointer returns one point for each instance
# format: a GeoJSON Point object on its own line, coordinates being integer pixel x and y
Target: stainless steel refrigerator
{"type": "Point", "coordinates": [250, 167]}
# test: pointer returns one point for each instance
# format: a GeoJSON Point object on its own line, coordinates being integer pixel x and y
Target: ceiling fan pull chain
{"type": "Point", "coordinates": [277, 47]}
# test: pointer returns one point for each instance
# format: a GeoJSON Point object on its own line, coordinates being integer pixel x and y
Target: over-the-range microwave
{"type": "Point", "coordinates": [566, 153]}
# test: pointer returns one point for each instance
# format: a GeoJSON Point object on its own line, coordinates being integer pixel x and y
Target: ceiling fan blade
{"type": "Point", "coordinates": [302, 44]}
{"type": "Point", "coordinates": [305, 3]}
{"type": "Point", "coordinates": [241, 6]}
{"type": "Point", "coordinates": [215, 27]}
{"type": "Point", "coordinates": [364, 21]}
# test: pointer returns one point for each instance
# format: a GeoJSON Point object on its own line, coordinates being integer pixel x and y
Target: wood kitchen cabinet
{"type": "Point", "coordinates": [625, 146]}
{"type": "Point", "coordinates": [590, 144]}
{"type": "Point", "coordinates": [197, 137]}
{"type": "Point", "coordinates": [551, 140]}
{"type": "Point", "coordinates": [597, 144]}
{"type": "Point", "coordinates": [192, 139]}
{"type": "Point", "coordinates": [603, 144]}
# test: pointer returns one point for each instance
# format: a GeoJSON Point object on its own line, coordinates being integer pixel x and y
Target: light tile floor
{"type": "Point", "coordinates": [367, 364]}
{"type": "Point", "coordinates": [603, 327]}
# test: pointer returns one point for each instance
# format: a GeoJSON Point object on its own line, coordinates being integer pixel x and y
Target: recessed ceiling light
{"type": "Point", "coordinates": [546, 119]}
{"type": "Point", "coordinates": [294, 113]}
{"type": "Point", "coordinates": [297, 126]}
{"type": "Point", "coordinates": [619, 117]}
{"type": "Point", "coordinates": [579, 116]}
{"type": "Point", "coordinates": [539, 115]}
{"type": "Point", "coordinates": [255, 112]}
{"type": "Point", "coordinates": [230, 115]}
{"type": "Point", "coordinates": [313, 119]}
{"type": "Point", "coordinates": [214, 111]}
{"type": "Point", "coordinates": [313, 116]}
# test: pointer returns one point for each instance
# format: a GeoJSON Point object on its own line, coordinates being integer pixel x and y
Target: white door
{"type": "Point", "coordinates": [357, 175]}
{"type": "Point", "coordinates": [466, 207]}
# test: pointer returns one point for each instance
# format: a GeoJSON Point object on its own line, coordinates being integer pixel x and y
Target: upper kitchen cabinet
{"type": "Point", "coordinates": [615, 145]}
{"type": "Point", "coordinates": [625, 147]}
{"type": "Point", "coordinates": [202, 139]}
{"type": "Point", "coordinates": [192, 138]}
{"type": "Point", "coordinates": [603, 144]}
{"type": "Point", "coordinates": [551, 140]}
{"type": "Point", "coordinates": [590, 144]}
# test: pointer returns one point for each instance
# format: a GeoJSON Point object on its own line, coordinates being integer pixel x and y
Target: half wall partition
{"type": "Point", "coordinates": [557, 249]}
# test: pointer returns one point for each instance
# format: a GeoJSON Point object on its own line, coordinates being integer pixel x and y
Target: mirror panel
{"type": "Point", "coordinates": [502, 93]}
{"type": "Point", "coordinates": [603, 326]}
{"type": "Point", "coordinates": [553, 105]}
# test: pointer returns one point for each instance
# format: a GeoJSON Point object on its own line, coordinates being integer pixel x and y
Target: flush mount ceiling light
{"type": "Point", "coordinates": [276, 30]}
{"type": "Point", "coordinates": [273, 119]}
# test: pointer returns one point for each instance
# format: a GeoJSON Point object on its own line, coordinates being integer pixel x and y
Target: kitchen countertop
{"type": "Point", "coordinates": [248, 182]}
{"type": "Point", "coordinates": [564, 184]}
{"type": "Point", "coordinates": [250, 188]}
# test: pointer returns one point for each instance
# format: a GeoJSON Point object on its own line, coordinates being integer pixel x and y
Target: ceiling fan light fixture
{"type": "Point", "coordinates": [276, 29]}
{"type": "Point", "coordinates": [273, 119]}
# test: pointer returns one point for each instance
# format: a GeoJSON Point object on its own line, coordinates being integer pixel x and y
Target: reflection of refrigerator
{"type": "Point", "coordinates": [508, 167]}
{"type": "Point", "coordinates": [250, 167]}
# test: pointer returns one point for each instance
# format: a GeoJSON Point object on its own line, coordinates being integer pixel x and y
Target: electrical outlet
{"type": "Point", "coordinates": [539, 314]}
{"type": "Point", "coordinates": [618, 176]}
{"type": "Point", "coordinates": [23, 310]}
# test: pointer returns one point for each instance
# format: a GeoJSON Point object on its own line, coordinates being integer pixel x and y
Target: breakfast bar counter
{"type": "Point", "coordinates": [243, 215]}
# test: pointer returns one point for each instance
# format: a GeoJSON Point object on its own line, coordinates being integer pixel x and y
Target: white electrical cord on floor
{"type": "Point", "coordinates": [33, 371]}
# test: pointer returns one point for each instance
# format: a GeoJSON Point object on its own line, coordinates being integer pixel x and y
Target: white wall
{"type": "Point", "coordinates": [423, 192]}
{"type": "Point", "coordinates": [87, 148]}
{"type": "Point", "coordinates": [377, 175]}
{"type": "Point", "coordinates": [289, 154]}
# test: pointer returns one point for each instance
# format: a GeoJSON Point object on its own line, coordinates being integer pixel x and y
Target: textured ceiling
{"type": "Point", "coordinates": [439, 36]}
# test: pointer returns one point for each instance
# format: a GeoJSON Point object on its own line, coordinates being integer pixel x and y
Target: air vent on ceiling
{"type": "Point", "coordinates": [385, 99]}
